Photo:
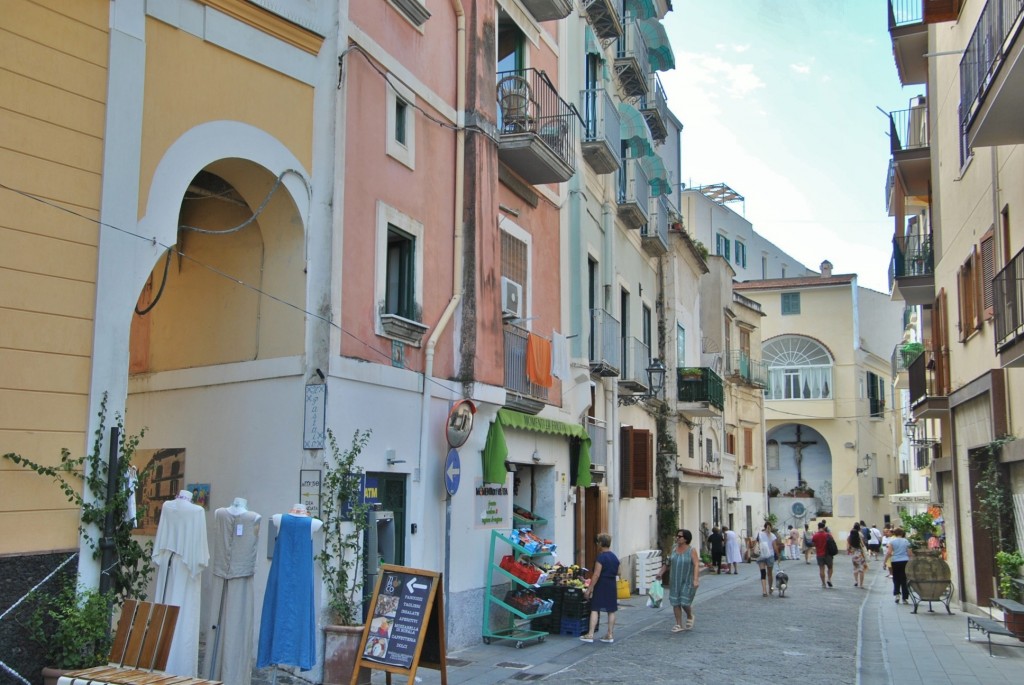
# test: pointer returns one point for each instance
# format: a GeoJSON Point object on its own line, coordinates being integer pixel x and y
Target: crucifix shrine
{"type": "Point", "coordinates": [798, 454]}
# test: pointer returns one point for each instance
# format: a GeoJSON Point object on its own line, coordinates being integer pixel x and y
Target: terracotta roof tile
{"type": "Point", "coordinates": [798, 282]}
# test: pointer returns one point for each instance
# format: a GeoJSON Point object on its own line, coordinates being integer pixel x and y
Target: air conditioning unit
{"type": "Point", "coordinates": [511, 299]}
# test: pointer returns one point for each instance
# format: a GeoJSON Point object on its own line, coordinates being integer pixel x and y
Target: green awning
{"type": "Point", "coordinates": [659, 49]}
{"type": "Point", "coordinates": [593, 46]}
{"type": "Point", "coordinates": [641, 9]}
{"type": "Point", "coordinates": [496, 449]}
{"type": "Point", "coordinates": [635, 132]}
{"type": "Point", "coordinates": [657, 175]}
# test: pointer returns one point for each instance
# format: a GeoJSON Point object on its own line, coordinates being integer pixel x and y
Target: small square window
{"type": "Point", "coordinates": [790, 303]}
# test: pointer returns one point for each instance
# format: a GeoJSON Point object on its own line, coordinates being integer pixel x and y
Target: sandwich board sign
{"type": "Point", "coordinates": [405, 625]}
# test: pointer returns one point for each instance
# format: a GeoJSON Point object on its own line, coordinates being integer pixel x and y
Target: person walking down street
{"type": "Point", "coordinates": [808, 543]}
{"type": "Point", "coordinates": [899, 554]}
{"type": "Point", "coordinates": [733, 555]}
{"type": "Point", "coordinates": [886, 561]}
{"type": "Point", "coordinates": [766, 558]}
{"type": "Point", "coordinates": [793, 551]}
{"type": "Point", "coordinates": [875, 541]}
{"type": "Point", "coordinates": [717, 543]}
{"type": "Point", "coordinates": [855, 548]}
{"type": "Point", "coordinates": [602, 591]}
{"type": "Point", "coordinates": [820, 540]}
{"type": "Point", "coordinates": [683, 579]}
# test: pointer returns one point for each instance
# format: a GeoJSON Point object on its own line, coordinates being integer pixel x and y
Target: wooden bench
{"type": "Point", "coordinates": [139, 653]}
{"type": "Point", "coordinates": [988, 628]}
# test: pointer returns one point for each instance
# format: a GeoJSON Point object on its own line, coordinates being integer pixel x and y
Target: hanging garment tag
{"type": "Point", "coordinates": [238, 530]}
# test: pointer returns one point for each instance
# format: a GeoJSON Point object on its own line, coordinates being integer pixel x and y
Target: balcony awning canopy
{"type": "Point", "coordinates": [635, 132]}
{"type": "Point", "coordinates": [496, 449]}
{"type": "Point", "coordinates": [659, 48]}
{"type": "Point", "coordinates": [641, 9]}
{"type": "Point", "coordinates": [657, 175]}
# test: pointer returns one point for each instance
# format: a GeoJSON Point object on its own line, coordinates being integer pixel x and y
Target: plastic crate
{"type": "Point", "coordinates": [574, 627]}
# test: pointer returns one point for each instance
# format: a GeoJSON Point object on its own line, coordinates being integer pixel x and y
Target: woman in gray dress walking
{"type": "Point", "coordinates": [684, 578]}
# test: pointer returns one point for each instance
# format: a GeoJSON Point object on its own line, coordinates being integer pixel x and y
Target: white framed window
{"type": "Point", "coordinates": [799, 368]}
{"type": "Point", "coordinates": [398, 277]}
{"type": "Point", "coordinates": [516, 246]}
{"type": "Point", "coordinates": [401, 124]}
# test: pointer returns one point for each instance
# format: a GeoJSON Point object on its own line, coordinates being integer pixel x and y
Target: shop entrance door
{"type": "Point", "coordinates": [391, 494]}
{"type": "Point", "coordinates": [594, 518]}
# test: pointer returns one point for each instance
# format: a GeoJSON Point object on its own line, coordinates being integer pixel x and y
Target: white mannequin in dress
{"type": "Point", "coordinates": [299, 510]}
{"type": "Point", "coordinates": [238, 506]}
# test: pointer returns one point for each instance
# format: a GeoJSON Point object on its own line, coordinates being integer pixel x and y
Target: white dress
{"type": "Point", "coordinates": [181, 552]}
{"type": "Point", "coordinates": [733, 555]}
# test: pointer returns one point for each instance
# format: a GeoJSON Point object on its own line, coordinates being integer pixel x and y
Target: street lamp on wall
{"type": "Point", "coordinates": [655, 384]}
{"type": "Point", "coordinates": [867, 465]}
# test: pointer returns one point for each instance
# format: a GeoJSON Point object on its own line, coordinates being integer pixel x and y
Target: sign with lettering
{"type": "Point", "coordinates": [405, 625]}
{"type": "Point", "coordinates": [493, 505]}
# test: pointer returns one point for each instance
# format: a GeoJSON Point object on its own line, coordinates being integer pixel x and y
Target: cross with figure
{"type": "Point", "coordinates": [798, 454]}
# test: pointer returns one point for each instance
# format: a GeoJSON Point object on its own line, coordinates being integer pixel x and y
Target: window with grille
{"type": "Point", "coordinates": [969, 295]}
{"type": "Point", "coordinates": [693, 449]}
{"type": "Point", "coordinates": [772, 455]}
{"type": "Point", "coordinates": [709, 453]}
{"type": "Point", "coordinates": [515, 262]}
{"type": "Point", "coordinates": [636, 466]}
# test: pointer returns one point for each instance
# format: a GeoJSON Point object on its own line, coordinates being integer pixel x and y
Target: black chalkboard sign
{"type": "Point", "coordinates": [405, 625]}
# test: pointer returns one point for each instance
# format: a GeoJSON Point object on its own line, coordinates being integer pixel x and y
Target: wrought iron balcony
{"type": "Point", "coordinates": [604, 18]}
{"type": "Point", "coordinates": [634, 194]}
{"type": "Point", "coordinates": [524, 395]}
{"type": "Point", "coordinates": [1008, 305]}
{"type": "Point", "coordinates": [602, 139]}
{"type": "Point", "coordinates": [928, 398]}
{"type": "Point", "coordinates": [605, 348]}
{"type": "Point", "coordinates": [654, 234]}
{"type": "Point", "coordinates": [752, 372]}
{"type": "Point", "coordinates": [654, 107]}
{"type": "Point", "coordinates": [632, 64]}
{"type": "Point", "coordinates": [909, 36]}
{"type": "Point", "coordinates": [908, 142]}
{"type": "Point", "coordinates": [537, 128]}
{"type": "Point", "coordinates": [699, 391]}
{"type": "Point", "coordinates": [913, 268]}
{"type": "Point", "coordinates": [992, 77]}
{"type": "Point", "coordinates": [636, 357]}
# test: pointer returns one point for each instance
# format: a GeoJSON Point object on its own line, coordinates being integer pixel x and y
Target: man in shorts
{"type": "Point", "coordinates": [820, 541]}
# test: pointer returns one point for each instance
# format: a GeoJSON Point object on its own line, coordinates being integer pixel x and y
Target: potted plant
{"type": "Point", "coordinates": [72, 627]}
{"type": "Point", "coordinates": [919, 528]}
{"type": "Point", "coordinates": [345, 520]}
{"type": "Point", "coordinates": [1009, 564]}
{"type": "Point", "coordinates": [70, 621]}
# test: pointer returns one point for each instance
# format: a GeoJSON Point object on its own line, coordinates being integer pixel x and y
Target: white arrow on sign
{"type": "Point", "coordinates": [413, 586]}
{"type": "Point", "coordinates": [453, 471]}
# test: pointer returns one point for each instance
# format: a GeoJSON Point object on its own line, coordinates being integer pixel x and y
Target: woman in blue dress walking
{"type": "Point", "coordinates": [683, 579]}
{"type": "Point", "coordinates": [603, 591]}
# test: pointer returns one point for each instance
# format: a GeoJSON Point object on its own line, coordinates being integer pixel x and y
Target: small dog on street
{"type": "Point", "coordinates": [781, 582]}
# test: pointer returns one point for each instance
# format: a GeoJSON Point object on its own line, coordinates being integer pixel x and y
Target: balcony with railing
{"type": "Point", "coordinates": [913, 268]}
{"type": "Point", "coordinates": [602, 138]}
{"type": "Point", "coordinates": [636, 357]}
{"type": "Point", "coordinates": [911, 152]}
{"type": "Point", "coordinates": [605, 347]}
{"type": "Point", "coordinates": [992, 77]}
{"type": "Point", "coordinates": [522, 394]}
{"type": "Point", "coordinates": [604, 18]}
{"type": "Point", "coordinates": [928, 399]}
{"type": "Point", "coordinates": [1008, 306]}
{"type": "Point", "coordinates": [909, 34]}
{"type": "Point", "coordinates": [632, 65]}
{"type": "Point", "coordinates": [699, 391]}
{"type": "Point", "coordinates": [634, 194]}
{"type": "Point", "coordinates": [902, 355]}
{"type": "Point", "coordinates": [548, 10]}
{"type": "Point", "coordinates": [654, 107]}
{"type": "Point", "coordinates": [536, 127]}
{"type": "Point", "coordinates": [740, 367]}
{"type": "Point", "coordinates": [654, 234]}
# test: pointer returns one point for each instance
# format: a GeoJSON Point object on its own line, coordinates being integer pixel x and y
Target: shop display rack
{"type": "Point", "coordinates": [518, 627]}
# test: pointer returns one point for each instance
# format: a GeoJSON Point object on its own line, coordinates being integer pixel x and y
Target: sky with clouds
{"type": "Point", "coordinates": [779, 100]}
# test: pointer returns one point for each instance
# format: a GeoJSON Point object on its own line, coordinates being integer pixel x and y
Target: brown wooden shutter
{"type": "Point", "coordinates": [987, 273]}
{"type": "Point", "coordinates": [643, 463]}
{"type": "Point", "coordinates": [940, 343]}
{"type": "Point", "coordinates": [748, 446]}
{"type": "Point", "coordinates": [626, 461]}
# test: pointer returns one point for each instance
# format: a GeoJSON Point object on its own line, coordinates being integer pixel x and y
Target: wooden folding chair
{"type": "Point", "coordinates": [139, 654]}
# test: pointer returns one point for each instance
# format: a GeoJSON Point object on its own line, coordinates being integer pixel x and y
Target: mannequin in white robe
{"type": "Point", "coordinates": [181, 552]}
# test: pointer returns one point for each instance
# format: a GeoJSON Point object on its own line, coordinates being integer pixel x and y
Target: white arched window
{"type": "Point", "coordinates": [799, 368]}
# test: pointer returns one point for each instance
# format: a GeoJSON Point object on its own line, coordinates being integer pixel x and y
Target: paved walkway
{"type": "Point", "coordinates": [839, 635]}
